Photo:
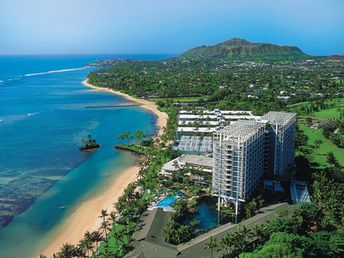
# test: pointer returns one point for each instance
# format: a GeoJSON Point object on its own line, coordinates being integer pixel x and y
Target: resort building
{"type": "Point", "coordinates": [282, 130]}
{"type": "Point", "coordinates": [239, 160]}
{"type": "Point", "coordinates": [196, 127]}
{"type": "Point", "coordinates": [201, 163]}
{"type": "Point", "coordinates": [149, 240]}
{"type": "Point", "coordinates": [245, 150]}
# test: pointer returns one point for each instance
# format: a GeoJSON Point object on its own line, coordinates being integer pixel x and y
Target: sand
{"type": "Point", "coordinates": [85, 215]}
{"type": "Point", "coordinates": [146, 104]}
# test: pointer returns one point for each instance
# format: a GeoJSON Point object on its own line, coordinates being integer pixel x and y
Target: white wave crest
{"type": "Point", "coordinates": [33, 114]}
{"type": "Point", "coordinates": [54, 71]}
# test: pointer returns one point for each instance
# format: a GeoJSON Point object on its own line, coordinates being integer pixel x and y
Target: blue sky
{"type": "Point", "coordinates": [166, 26]}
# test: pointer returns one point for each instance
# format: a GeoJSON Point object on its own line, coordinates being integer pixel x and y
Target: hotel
{"type": "Point", "coordinates": [282, 132]}
{"type": "Point", "coordinates": [244, 150]}
{"type": "Point", "coordinates": [239, 160]}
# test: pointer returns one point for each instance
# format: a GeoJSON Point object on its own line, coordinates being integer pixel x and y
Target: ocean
{"type": "Point", "coordinates": [44, 112]}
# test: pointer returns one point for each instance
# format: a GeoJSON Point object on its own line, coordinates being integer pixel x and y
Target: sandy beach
{"type": "Point", "coordinates": [85, 215]}
{"type": "Point", "coordinates": [146, 104]}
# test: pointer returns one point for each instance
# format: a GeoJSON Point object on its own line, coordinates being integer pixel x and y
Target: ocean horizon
{"type": "Point", "coordinates": [43, 115]}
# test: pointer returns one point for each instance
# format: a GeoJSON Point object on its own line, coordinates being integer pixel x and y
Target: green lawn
{"type": "Point", "coordinates": [326, 146]}
{"type": "Point", "coordinates": [330, 113]}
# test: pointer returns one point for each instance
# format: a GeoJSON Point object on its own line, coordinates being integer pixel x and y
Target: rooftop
{"type": "Point", "coordinates": [193, 160]}
{"type": "Point", "coordinates": [197, 160]}
{"type": "Point", "coordinates": [278, 117]}
{"type": "Point", "coordinates": [242, 129]}
{"type": "Point", "coordinates": [149, 239]}
{"type": "Point", "coordinates": [150, 242]}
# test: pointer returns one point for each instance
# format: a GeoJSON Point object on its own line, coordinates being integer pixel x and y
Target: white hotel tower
{"type": "Point", "coordinates": [282, 127]}
{"type": "Point", "coordinates": [244, 150]}
{"type": "Point", "coordinates": [239, 160]}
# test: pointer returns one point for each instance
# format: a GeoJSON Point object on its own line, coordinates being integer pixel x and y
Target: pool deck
{"type": "Point", "coordinates": [161, 203]}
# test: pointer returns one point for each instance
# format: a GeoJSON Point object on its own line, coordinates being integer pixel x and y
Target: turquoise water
{"type": "Point", "coordinates": [168, 201]}
{"type": "Point", "coordinates": [43, 114]}
{"type": "Point", "coordinates": [206, 214]}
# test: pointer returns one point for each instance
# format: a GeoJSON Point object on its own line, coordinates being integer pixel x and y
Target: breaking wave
{"type": "Point", "coordinates": [54, 71]}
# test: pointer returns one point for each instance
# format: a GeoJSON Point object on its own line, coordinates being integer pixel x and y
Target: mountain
{"type": "Point", "coordinates": [241, 48]}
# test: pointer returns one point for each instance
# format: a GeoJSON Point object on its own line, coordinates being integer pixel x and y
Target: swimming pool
{"type": "Point", "coordinates": [206, 215]}
{"type": "Point", "coordinates": [168, 201]}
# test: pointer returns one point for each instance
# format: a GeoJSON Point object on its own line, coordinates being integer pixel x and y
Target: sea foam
{"type": "Point", "coordinates": [53, 71]}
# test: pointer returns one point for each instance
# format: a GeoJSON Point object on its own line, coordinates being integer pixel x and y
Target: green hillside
{"type": "Point", "coordinates": [241, 48]}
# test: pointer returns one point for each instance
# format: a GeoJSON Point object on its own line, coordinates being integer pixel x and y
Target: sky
{"type": "Point", "coordinates": [166, 26]}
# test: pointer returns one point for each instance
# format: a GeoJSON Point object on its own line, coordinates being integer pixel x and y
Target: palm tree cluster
{"type": "Point", "coordinates": [89, 245]}
{"type": "Point", "coordinates": [85, 248]}
{"type": "Point", "coordinates": [305, 233]}
{"type": "Point", "coordinates": [176, 231]}
{"type": "Point", "coordinates": [127, 136]}
{"type": "Point", "coordinates": [237, 242]}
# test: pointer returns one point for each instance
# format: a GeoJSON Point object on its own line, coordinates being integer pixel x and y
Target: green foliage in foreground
{"type": "Point", "coordinates": [282, 244]}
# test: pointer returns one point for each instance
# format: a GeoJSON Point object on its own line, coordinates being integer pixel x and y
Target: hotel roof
{"type": "Point", "coordinates": [197, 160]}
{"type": "Point", "coordinates": [242, 129]}
{"type": "Point", "coordinates": [278, 117]}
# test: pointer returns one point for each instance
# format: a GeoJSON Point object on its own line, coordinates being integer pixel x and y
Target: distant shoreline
{"type": "Point", "coordinates": [85, 215]}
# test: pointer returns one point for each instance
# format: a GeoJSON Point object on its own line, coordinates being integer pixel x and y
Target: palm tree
{"type": "Point", "coordinates": [103, 214]}
{"type": "Point", "coordinates": [105, 226]}
{"type": "Point", "coordinates": [127, 135]}
{"type": "Point", "coordinates": [169, 230]}
{"type": "Point", "coordinates": [211, 244]}
{"type": "Point", "coordinates": [242, 234]}
{"type": "Point", "coordinates": [229, 212]}
{"type": "Point", "coordinates": [113, 219]}
{"type": "Point", "coordinates": [140, 135]}
{"type": "Point", "coordinates": [259, 233]}
{"type": "Point", "coordinates": [67, 251]}
{"type": "Point", "coordinates": [96, 238]}
{"type": "Point", "coordinates": [226, 243]}
{"type": "Point", "coordinates": [85, 245]}
{"type": "Point", "coordinates": [88, 238]}
{"type": "Point", "coordinates": [120, 137]}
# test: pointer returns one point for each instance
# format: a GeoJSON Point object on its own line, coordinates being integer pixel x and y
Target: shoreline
{"type": "Point", "coordinates": [85, 215]}
{"type": "Point", "coordinates": [146, 104]}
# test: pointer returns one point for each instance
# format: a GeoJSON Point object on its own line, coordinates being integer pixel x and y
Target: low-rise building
{"type": "Point", "coordinates": [202, 163]}
{"type": "Point", "coordinates": [196, 127]}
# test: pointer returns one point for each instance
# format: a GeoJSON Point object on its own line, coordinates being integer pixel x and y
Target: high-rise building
{"type": "Point", "coordinates": [244, 150]}
{"type": "Point", "coordinates": [239, 160]}
{"type": "Point", "coordinates": [282, 127]}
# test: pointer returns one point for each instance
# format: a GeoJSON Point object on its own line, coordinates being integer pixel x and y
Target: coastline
{"type": "Point", "coordinates": [146, 104]}
{"type": "Point", "coordinates": [85, 215]}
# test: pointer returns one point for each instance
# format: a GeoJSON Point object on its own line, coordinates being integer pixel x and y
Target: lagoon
{"type": "Point", "coordinates": [43, 115]}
